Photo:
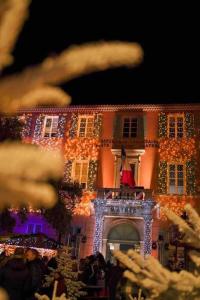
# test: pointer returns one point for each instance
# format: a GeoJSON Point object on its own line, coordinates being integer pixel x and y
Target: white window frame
{"type": "Point", "coordinates": [123, 120]}
{"type": "Point", "coordinates": [80, 175]}
{"type": "Point", "coordinates": [87, 117]}
{"type": "Point", "coordinates": [51, 131]}
{"type": "Point", "coordinates": [176, 179]}
{"type": "Point", "coordinates": [176, 116]}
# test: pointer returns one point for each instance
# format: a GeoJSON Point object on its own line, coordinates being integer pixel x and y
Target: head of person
{"type": "Point", "coordinates": [31, 254]}
{"type": "Point", "coordinates": [19, 251]}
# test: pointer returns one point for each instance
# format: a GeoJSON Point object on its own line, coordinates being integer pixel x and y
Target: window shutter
{"type": "Point", "coordinates": [162, 177]}
{"type": "Point", "coordinates": [27, 128]}
{"type": "Point", "coordinates": [140, 127]}
{"type": "Point", "coordinates": [39, 123]}
{"type": "Point", "coordinates": [117, 127]}
{"type": "Point", "coordinates": [74, 126]}
{"type": "Point", "coordinates": [97, 125]}
{"type": "Point", "coordinates": [61, 126]}
{"type": "Point", "coordinates": [189, 124]}
{"type": "Point", "coordinates": [68, 171]}
{"type": "Point", "coordinates": [92, 175]}
{"type": "Point", "coordinates": [162, 125]}
{"type": "Point", "coordinates": [190, 177]}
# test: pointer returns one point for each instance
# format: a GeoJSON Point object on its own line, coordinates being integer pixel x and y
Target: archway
{"type": "Point", "coordinates": [122, 237]}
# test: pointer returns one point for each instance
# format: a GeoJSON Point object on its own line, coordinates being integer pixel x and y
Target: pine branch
{"type": "Point", "coordinates": [24, 175]}
{"type": "Point", "coordinates": [13, 14]}
{"type": "Point", "coordinates": [15, 90]}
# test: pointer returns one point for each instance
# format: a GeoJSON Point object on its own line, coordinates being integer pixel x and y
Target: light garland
{"type": "Point", "coordinates": [190, 177]}
{"type": "Point", "coordinates": [84, 207]}
{"type": "Point", "coordinates": [162, 177]}
{"type": "Point", "coordinates": [26, 119]}
{"type": "Point", "coordinates": [97, 125]}
{"type": "Point", "coordinates": [189, 124]}
{"type": "Point", "coordinates": [162, 122]}
{"type": "Point", "coordinates": [175, 203]}
{"type": "Point", "coordinates": [10, 249]}
{"type": "Point", "coordinates": [73, 125]}
{"type": "Point", "coordinates": [177, 150]}
{"type": "Point", "coordinates": [92, 174]}
{"type": "Point", "coordinates": [81, 148]}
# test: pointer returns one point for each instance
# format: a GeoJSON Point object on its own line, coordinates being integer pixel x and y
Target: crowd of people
{"type": "Point", "coordinates": [22, 275]}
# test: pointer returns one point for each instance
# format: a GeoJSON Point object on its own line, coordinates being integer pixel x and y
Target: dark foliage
{"type": "Point", "coordinates": [7, 221]}
{"type": "Point", "coordinates": [10, 128]}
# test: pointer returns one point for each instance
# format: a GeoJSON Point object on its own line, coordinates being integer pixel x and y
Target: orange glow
{"type": "Point", "coordinates": [177, 150]}
{"type": "Point", "coordinates": [175, 203]}
{"type": "Point", "coordinates": [9, 250]}
{"type": "Point", "coordinates": [53, 144]}
{"type": "Point", "coordinates": [82, 148]}
{"type": "Point", "coordinates": [147, 171]}
{"type": "Point", "coordinates": [83, 208]}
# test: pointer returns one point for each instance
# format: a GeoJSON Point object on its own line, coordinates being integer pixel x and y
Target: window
{"type": "Point", "coordinates": [130, 127]}
{"type": "Point", "coordinates": [50, 126]}
{"type": "Point", "coordinates": [176, 179]}
{"type": "Point", "coordinates": [34, 228]}
{"type": "Point", "coordinates": [175, 126]}
{"type": "Point", "coordinates": [80, 173]}
{"type": "Point", "coordinates": [86, 126]}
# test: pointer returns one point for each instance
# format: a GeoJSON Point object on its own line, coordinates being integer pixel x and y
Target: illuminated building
{"type": "Point", "coordinates": [162, 145]}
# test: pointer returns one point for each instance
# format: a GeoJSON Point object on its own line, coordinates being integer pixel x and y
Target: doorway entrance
{"type": "Point", "coordinates": [122, 237]}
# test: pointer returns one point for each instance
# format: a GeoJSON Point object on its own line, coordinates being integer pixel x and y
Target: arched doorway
{"type": "Point", "coordinates": [122, 237]}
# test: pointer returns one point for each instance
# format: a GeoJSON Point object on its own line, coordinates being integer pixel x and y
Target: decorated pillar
{"type": "Point", "coordinates": [99, 207]}
{"type": "Point", "coordinates": [147, 234]}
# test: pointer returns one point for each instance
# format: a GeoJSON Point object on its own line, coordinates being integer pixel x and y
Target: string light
{"type": "Point", "coordinates": [162, 120]}
{"type": "Point", "coordinates": [10, 249]}
{"type": "Point", "coordinates": [177, 151]}
{"type": "Point", "coordinates": [84, 207]}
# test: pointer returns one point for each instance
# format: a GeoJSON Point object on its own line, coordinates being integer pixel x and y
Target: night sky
{"type": "Point", "coordinates": [171, 66]}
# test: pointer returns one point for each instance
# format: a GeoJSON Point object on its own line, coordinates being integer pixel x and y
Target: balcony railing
{"type": "Point", "coordinates": [137, 193]}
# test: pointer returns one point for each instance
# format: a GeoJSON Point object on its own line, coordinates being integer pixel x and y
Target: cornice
{"type": "Point", "coordinates": [115, 108]}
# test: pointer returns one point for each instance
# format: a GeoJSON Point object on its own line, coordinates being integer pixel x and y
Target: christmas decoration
{"type": "Point", "coordinates": [67, 268]}
{"type": "Point", "coordinates": [162, 123]}
{"type": "Point", "coordinates": [54, 297]}
{"type": "Point", "coordinates": [158, 282]}
{"type": "Point", "coordinates": [162, 177]}
{"type": "Point", "coordinates": [84, 207]}
{"type": "Point", "coordinates": [177, 150]}
{"type": "Point", "coordinates": [189, 124]}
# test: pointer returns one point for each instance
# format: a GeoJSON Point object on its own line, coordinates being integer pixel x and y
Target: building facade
{"type": "Point", "coordinates": [162, 146]}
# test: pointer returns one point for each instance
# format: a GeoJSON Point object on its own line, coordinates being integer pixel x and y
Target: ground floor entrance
{"type": "Point", "coordinates": [122, 237]}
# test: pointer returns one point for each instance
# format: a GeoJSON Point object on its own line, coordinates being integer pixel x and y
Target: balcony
{"type": "Point", "coordinates": [138, 193]}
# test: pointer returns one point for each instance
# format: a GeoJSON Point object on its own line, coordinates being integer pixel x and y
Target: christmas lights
{"type": "Point", "coordinates": [10, 249]}
{"type": "Point", "coordinates": [190, 177]}
{"type": "Point", "coordinates": [177, 150]}
{"type": "Point", "coordinates": [27, 122]}
{"type": "Point", "coordinates": [189, 124]}
{"type": "Point", "coordinates": [84, 207]}
{"type": "Point", "coordinates": [162, 122]}
{"type": "Point", "coordinates": [162, 177]}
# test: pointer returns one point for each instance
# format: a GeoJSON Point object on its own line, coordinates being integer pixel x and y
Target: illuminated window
{"type": "Point", "coordinates": [130, 127]}
{"type": "Point", "coordinates": [80, 173]}
{"type": "Point", "coordinates": [50, 126]}
{"type": "Point", "coordinates": [34, 228]}
{"type": "Point", "coordinates": [86, 126]}
{"type": "Point", "coordinates": [176, 126]}
{"type": "Point", "coordinates": [176, 174]}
